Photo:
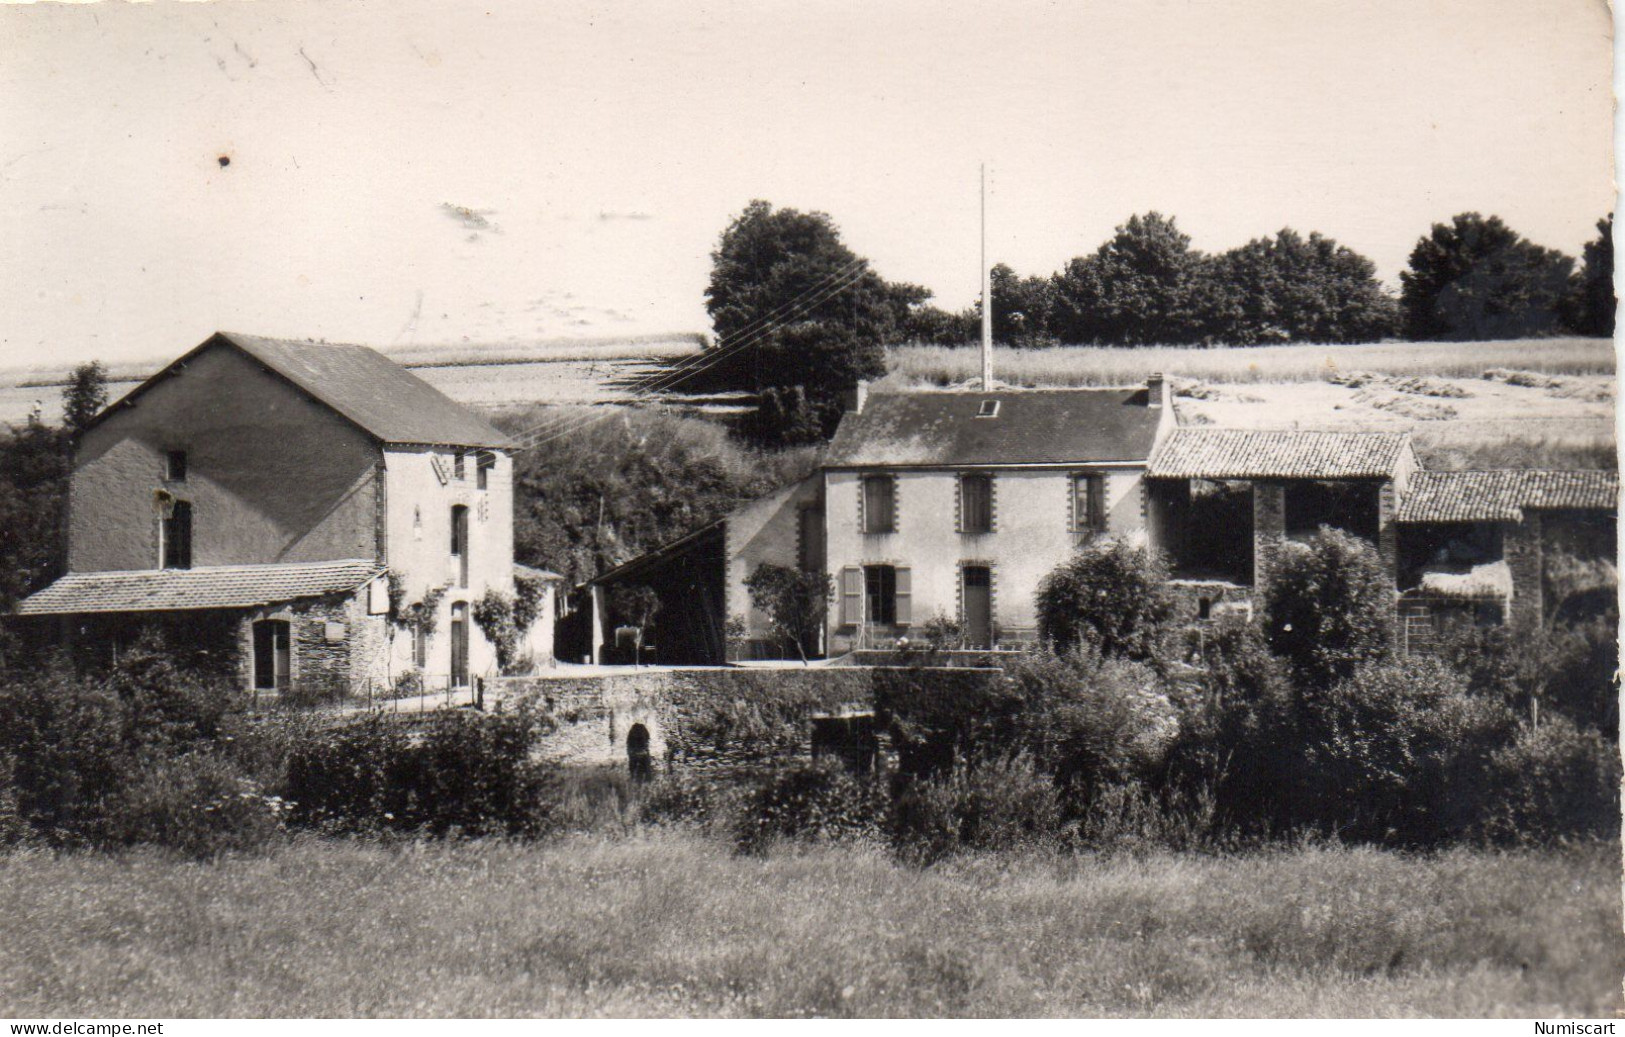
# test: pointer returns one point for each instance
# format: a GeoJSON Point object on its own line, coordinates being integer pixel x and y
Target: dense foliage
{"type": "Point", "coordinates": [793, 600]}
{"type": "Point", "coordinates": [1328, 607]}
{"type": "Point", "coordinates": [1110, 596]}
{"type": "Point", "coordinates": [1476, 278]}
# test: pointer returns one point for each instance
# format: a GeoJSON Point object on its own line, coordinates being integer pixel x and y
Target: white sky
{"type": "Point", "coordinates": [607, 145]}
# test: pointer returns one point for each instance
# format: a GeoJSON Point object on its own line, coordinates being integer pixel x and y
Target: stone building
{"type": "Point", "coordinates": [948, 508]}
{"type": "Point", "coordinates": [316, 517]}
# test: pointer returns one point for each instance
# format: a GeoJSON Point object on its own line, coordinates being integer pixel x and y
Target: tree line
{"type": "Point", "coordinates": [799, 317]}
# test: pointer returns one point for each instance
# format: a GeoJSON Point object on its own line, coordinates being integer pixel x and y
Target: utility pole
{"type": "Point", "coordinates": [987, 298]}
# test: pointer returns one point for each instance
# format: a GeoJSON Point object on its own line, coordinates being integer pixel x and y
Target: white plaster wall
{"type": "Point", "coordinates": [1032, 534]}
{"type": "Point", "coordinates": [418, 545]}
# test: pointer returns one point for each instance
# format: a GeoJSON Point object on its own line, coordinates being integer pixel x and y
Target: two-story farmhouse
{"type": "Point", "coordinates": [954, 505]}
{"type": "Point", "coordinates": [318, 517]}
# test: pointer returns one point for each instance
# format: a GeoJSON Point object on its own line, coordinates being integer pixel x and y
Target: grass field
{"type": "Point", "coordinates": [674, 924]}
{"type": "Point", "coordinates": [1101, 365]}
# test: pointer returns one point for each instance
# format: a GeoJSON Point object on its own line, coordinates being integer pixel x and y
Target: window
{"type": "Point", "coordinates": [976, 504]}
{"type": "Point", "coordinates": [457, 465]}
{"type": "Point", "coordinates": [484, 461]}
{"type": "Point", "coordinates": [459, 543]}
{"type": "Point", "coordinates": [175, 537]}
{"type": "Point", "coordinates": [887, 595]}
{"type": "Point", "coordinates": [175, 466]}
{"type": "Point", "coordinates": [988, 409]}
{"type": "Point", "coordinates": [879, 504]}
{"type": "Point", "coordinates": [272, 657]}
{"type": "Point", "coordinates": [420, 645]}
{"type": "Point", "coordinates": [1089, 503]}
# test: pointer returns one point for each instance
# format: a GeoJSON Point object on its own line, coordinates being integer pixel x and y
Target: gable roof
{"type": "Point", "coordinates": [208, 587]}
{"type": "Point", "coordinates": [1043, 426]}
{"type": "Point", "coordinates": [1502, 495]}
{"type": "Point", "coordinates": [374, 393]}
{"type": "Point", "coordinates": [1223, 453]}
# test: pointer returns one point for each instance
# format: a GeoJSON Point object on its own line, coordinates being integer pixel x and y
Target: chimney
{"type": "Point", "coordinates": [857, 396]}
{"type": "Point", "coordinates": [1156, 390]}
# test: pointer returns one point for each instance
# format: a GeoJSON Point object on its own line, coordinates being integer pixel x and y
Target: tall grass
{"type": "Point", "coordinates": [918, 365]}
{"type": "Point", "coordinates": [671, 923]}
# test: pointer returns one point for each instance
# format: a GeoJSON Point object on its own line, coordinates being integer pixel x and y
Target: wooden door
{"type": "Point", "coordinates": [459, 645]}
{"type": "Point", "coordinates": [978, 600]}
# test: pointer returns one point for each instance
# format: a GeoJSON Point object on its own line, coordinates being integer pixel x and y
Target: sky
{"type": "Point", "coordinates": [431, 171]}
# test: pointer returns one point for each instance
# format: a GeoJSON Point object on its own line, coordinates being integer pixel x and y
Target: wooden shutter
{"type": "Point", "coordinates": [851, 596]}
{"type": "Point", "coordinates": [905, 596]}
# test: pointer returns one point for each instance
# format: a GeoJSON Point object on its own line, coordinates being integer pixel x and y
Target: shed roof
{"type": "Point", "coordinates": [209, 587]}
{"type": "Point", "coordinates": [372, 391]}
{"type": "Point", "coordinates": [1047, 426]}
{"type": "Point", "coordinates": [1223, 453]}
{"type": "Point", "coordinates": [1502, 495]}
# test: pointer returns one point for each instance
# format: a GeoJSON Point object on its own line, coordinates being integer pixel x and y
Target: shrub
{"type": "Point", "coordinates": [1569, 669]}
{"type": "Point", "coordinates": [1133, 818]}
{"type": "Point", "coordinates": [461, 772]}
{"type": "Point", "coordinates": [1400, 752]}
{"type": "Point", "coordinates": [997, 804]}
{"type": "Point", "coordinates": [1552, 782]}
{"type": "Point", "coordinates": [1328, 607]}
{"type": "Point", "coordinates": [1091, 722]}
{"type": "Point", "coordinates": [820, 801]}
{"type": "Point", "coordinates": [793, 601]}
{"type": "Point", "coordinates": [1111, 597]}
{"type": "Point", "coordinates": [937, 715]}
{"type": "Point", "coordinates": [199, 804]}
{"type": "Point", "coordinates": [680, 797]}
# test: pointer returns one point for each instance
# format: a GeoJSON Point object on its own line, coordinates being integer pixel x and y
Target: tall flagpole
{"type": "Point", "coordinates": [987, 298]}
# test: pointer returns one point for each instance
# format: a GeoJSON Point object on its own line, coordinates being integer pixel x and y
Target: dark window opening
{"type": "Point", "coordinates": [976, 503]}
{"type": "Point", "coordinates": [1349, 506]}
{"type": "Point", "coordinates": [176, 535]}
{"type": "Point", "coordinates": [880, 583]}
{"type": "Point", "coordinates": [484, 461]}
{"type": "Point", "coordinates": [879, 504]}
{"type": "Point", "coordinates": [1210, 533]}
{"type": "Point", "coordinates": [272, 656]}
{"type": "Point", "coordinates": [175, 466]}
{"type": "Point", "coordinates": [988, 409]}
{"type": "Point", "coordinates": [420, 645]}
{"type": "Point", "coordinates": [459, 542]}
{"type": "Point", "coordinates": [1204, 608]}
{"type": "Point", "coordinates": [639, 761]}
{"type": "Point", "coordinates": [1089, 503]}
{"type": "Point", "coordinates": [457, 465]}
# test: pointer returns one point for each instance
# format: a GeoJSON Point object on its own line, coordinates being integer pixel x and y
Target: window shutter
{"type": "Point", "coordinates": [905, 596]}
{"type": "Point", "coordinates": [851, 596]}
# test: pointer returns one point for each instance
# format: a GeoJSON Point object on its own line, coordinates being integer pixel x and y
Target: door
{"type": "Point", "coordinates": [459, 645]}
{"type": "Point", "coordinates": [272, 658]}
{"type": "Point", "coordinates": [459, 543]}
{"type": "Point", "coordinates": [978, 598]}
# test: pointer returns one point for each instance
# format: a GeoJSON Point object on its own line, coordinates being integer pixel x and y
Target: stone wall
{"type": "Point", "coordinates": [337, 650]}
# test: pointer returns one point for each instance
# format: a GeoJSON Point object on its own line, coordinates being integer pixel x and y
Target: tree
{"type": "Point", "coordinates": [793, 600]}
{"type": "Point", "coordinates": [799, 307]}
{"type": "Point", "coordinates": [85, 395]}
{"type": "Point", "coordinates": [636, 605]}
{"type": "Point", "coordinates": [1591, 302]}
{"type": "Point", "coordinates": [1477, 278]}
{"type": "Point", "coordinates": [1109, 596]}
{"type": "Point", "coordinates": [1294, 289]}
{"type": "Point", "coordinates": [1021, 308]}
{"type": "Point", "coordinates": [1328, 608]}
{"type": "Point", "coordinates": [34, 468]}
{"type": "Point", "coordinates": [1145, 286]}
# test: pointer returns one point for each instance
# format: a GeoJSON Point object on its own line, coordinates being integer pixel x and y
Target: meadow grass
{"type": "Point", "coordinates": [671, 923]}
{"type": "Point", "coordinates": [918, 365]}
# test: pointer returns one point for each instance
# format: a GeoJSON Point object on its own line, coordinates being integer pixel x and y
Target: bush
{"type": "Point", "coordinates": [460, 773]}
{"type": "Point", "coordinates": [1091, 722]}
{"type": "Point", "coordinates": [1110, 597]}
{"type": "Point", "coordinates": [680, 797]}
{"type": "Point", "coordinates": [1568, 669]}
{"type": "Point", "coordinates": [998, 804]}
{"type": "Point", "coordinates": [1555, 781]}
{"type": "Point", "coordinates": [1328, 608]}
{"type": "Point", "coordinates": [199, 804]}
{"type": "Point", "coordinates": [1400, 751]}
{"type": "Point", "coordinates": [820, 801]}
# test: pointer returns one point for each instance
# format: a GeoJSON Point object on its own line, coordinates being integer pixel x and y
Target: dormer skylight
{"type": "Point", "coordinates": [989, 409]}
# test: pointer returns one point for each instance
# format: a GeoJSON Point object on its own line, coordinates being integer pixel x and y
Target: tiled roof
{"type": "Point", "coordinates": [1502, 495]}
{"type": "Point", "coordinates": [363, 385]}
{"type": "Point", "coordinates": [1220, 453]}
{"type": "Point", "coordinates": [1050, 426]}
{"type": "Point", "coordinates": [532, 573]}
{"type": "Point", "coordinates": [211, 587]}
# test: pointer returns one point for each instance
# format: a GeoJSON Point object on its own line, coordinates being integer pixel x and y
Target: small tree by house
{"type": "Point", "coordinates": [84, 396]}
{"type": "Point", "coordinates": [793, 600]}
{"type": "Point", "coordinates": [1110, 596]}
{"type": "Point", "coordinates": [636, 605]}
{"type": "Point", "coordinates": [1328, 608]}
